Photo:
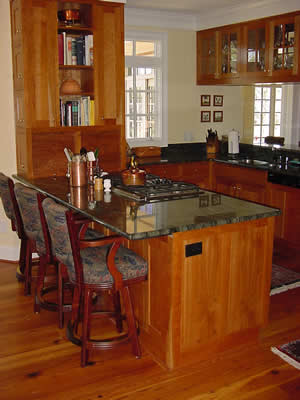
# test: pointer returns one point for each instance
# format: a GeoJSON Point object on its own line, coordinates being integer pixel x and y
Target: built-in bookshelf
{"type": "Point", "coordinates": [76, 60]}
{"type": "Point", "coordinates": [68, 83]}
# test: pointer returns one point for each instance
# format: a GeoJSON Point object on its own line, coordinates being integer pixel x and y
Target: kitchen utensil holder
{"type": "Point", "coordinates": [78, 173]}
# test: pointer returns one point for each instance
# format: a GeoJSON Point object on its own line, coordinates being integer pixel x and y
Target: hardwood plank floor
{"type": "Point", "coordinates": [38, 362]}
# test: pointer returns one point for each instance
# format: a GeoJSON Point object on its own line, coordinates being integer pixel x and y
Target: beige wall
{"type": "Point", "coordinates": [8, 240]}
{"type": "Point", "coordinates": [184, 94]}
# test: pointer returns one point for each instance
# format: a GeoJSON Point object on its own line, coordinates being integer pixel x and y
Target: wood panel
{"type": "Point", "coordinates": [198, 173]}
{"type": "Point", "coordinates": [194, 307]}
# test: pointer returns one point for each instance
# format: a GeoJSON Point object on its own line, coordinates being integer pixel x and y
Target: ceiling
{"type": "Point", "coordinates": [185, 6]}
{"type": "Point", "coordinates": [201, 14]}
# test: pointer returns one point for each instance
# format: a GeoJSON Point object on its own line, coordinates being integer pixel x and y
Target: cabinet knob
{"type": "Point", "coordinates": [20, 76]}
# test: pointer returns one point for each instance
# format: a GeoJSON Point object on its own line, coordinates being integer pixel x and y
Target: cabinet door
{"type": "Point", "coordinates": [16, 22]}
{"type": "Point", "coordinates": [284, 47]}
{"type": "Point", "coordinates": [207, 56]}
{"type": "Point", "coordinates": [276, 197]}
{"type": "Point", "coordinates": [171, 171]}
{"type": "Point", "coordinates": [197, 173]}
{"type": "Point", "coordinates": [250, 192]}
{"type": "Point", "coordinates": [40, 63]}
{"type": "Point", "coordinates": [109, 63]}
{"type": "Point", "coordinates": [255, 57]}
{"type": "Point", "coordinates": [292, 216]}
{"type": "Point", "coordinates": [230, 55]}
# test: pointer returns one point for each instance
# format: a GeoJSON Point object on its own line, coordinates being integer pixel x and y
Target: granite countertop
{"type": "Point", "coordinates": [240, 161]}
{"type": "Point", "coordinates": [145, 220]}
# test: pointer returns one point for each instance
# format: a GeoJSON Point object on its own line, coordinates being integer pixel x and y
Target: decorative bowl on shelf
{"type": "Point", "coordinates": [70, 86]}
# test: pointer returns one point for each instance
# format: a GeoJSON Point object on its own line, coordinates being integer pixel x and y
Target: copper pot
{"type": "Point", "coordinates": [133, 175]}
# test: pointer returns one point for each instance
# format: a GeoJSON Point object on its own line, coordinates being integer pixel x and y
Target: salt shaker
{"type": "Point", "coordinates": [107, 185]}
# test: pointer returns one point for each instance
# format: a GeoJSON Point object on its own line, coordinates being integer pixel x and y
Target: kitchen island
{"type": "Point", "coordinates": [210, 260]}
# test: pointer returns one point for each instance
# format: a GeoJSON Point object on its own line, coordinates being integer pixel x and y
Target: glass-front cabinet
{"type": "Point", "coordinates": [264, 50]}
{"type": "Point", "coordinates": [218, 53]}
{"type": "Point", "coordinates": [230, 52]}
{"type": "Point", "coordinates": [255, 53]}
{"type": "Point", "coordinates": [207, 55]}
{"type": "Point", "coordinates": [283, 52]}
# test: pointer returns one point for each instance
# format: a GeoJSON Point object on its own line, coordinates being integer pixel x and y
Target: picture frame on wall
{"type": "Point", "coordinates": [205, 100]}
{"type": "Point", "coordinates": [205, 116]}
{"type": "Point", "coordinates": [218, 101]}
{"type": "Point", "coordinates": [218, 116]}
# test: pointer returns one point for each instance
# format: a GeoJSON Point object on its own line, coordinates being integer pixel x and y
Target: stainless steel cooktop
{"type": "Point", "coordinates": [157, 189]}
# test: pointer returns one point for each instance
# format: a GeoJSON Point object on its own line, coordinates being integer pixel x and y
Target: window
{"type": "Point", "coordinates": [267, 112]}
{"type": "Point", "coordinates": [145, 88]}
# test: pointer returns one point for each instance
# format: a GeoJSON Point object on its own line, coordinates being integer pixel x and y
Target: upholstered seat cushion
{"type": "Point", "coordinates": [95, 270]}
{"type": "Point", "coordinates": [28, 204]}
{"type": "Point", "coordinates": [6, 198]}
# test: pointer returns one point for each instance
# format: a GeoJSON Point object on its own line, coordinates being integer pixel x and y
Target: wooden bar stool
{"type": "Point", "coordinates": [95, 267]}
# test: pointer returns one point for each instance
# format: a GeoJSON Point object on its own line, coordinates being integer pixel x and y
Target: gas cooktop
{"type": "Point", "coordinates": [157, 189]}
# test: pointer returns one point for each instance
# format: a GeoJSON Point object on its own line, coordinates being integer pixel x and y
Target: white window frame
{"type": "Point", "coordinates": [162, 63]}
{"type": "Point", "coordinates": [272, 108]}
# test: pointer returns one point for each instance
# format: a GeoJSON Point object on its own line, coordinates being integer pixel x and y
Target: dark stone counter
{"type": "Point", "coordinates": [145, 220]}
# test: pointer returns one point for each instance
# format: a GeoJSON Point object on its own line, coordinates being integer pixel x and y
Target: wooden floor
{"type": "Point", "coordinates": [38, 362]}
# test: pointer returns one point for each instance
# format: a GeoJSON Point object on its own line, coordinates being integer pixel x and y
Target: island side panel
{"type": "Point", "coordinates": [152, 299]}
{"type": "Point", "coordinates": [193, 308]}
{"type": "Point", "coordinates": [223, 294]}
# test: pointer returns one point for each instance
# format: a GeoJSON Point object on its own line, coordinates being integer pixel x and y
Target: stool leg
{"type": "Point", "coordinates": [40, 284]}
{"type": "Point", "coordinates": [60, 298]}
{"type": "Point", "coordinates": [133, 335]}
{"type": "Point", "coordinates": [117, 308]}
{"type": "Point", "coordinates": [28, 267]}
{"type": "Point", "coordinates": [87, 300]}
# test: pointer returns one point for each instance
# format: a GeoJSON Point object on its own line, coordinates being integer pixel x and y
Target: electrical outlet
{"type": "Point", "coordinates": [188, 136]}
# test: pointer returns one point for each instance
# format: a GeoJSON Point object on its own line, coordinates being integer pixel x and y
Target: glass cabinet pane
{"type": "Point", "coordinates": [229, 52]}
{"type": "Point", "coordinates": [283, 54]}
{"type": "Point", "coordinates": [208, 56]}
{"type": "Point", "coordinates": [256, 49]}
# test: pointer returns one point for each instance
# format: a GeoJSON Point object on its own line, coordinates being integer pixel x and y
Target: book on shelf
{"type": "Point", "coordinates": [75, 49]}
{"type": "Point", "coordinates": [77, 111]}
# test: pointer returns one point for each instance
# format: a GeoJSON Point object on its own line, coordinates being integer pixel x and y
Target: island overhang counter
{"type": "Point", "coordinates": [210, 261]}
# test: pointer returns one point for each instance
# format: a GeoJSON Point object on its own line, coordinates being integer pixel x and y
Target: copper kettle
{"type": "Point", "coordinates": [133, 175]}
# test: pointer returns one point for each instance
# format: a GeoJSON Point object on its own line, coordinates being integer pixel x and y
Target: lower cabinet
{"type": "Point", "coordinates": [244, 183]}
{"type": "Point", "coordinates": [198, 173]}
{"type": "Point", "coordinates": [287, 225]}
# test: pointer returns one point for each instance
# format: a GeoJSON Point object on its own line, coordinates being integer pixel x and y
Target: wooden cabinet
{"type": "Point", "coordinates": [264, 50]}
{"type": "Point", "coordinates": [244, 183]}
{"type": "Point", "coordinates": [171, 171]}
{"type": "Point", "coordinates": [287, 199]}
{"type": "Point", "coordinates": [198, 173]}
{"type": "Point", "coordinates": [218, 54]}
{"type": "Point", "coordinates": [39, 75]}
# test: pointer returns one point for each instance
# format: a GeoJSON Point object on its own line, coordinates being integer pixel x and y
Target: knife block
{"type": "Point", "coordinates": [212, 147]}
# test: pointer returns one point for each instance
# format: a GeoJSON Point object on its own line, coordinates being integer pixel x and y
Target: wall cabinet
{"type": "Point", "coordinates": [265, 50]}
{"type": "Point", "coordinates": [49, 51]}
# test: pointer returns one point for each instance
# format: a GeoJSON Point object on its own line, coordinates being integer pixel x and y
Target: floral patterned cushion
{"type": "Point", "coordinates": [95, 269]}
{"type": "Point", "coordinates": [5, 197]}
{"type": "Point", "coordinates": [28, 205]}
